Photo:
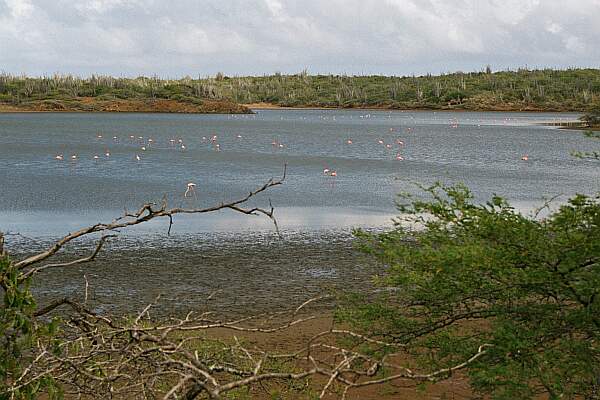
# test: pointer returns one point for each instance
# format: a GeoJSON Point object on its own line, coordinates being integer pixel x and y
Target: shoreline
{"type": "Point", "coordinates": [135, 105]}
{"type": "Point", "coordinates": [166, 106]}
{"type": "Point", "coordinates": [272, 106]}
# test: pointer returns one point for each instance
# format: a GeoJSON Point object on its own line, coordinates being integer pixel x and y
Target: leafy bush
{"type": "Point", "coordinates": [459, 276]}
{"type": "Point", "coordinates": [592, 117]}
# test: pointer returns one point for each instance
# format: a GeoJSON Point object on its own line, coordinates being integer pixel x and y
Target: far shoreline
{"type": "Point", "coordinates": [272, 106]}
{"type": "Point", "coordinates": [252, 107]}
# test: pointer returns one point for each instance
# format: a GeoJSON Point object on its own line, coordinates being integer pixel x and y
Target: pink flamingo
{"type": "Point", "coordinates": [190, 189]}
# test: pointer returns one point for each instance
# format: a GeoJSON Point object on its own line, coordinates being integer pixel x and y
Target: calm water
{"type": "Point", "coordinates": [42, 197]}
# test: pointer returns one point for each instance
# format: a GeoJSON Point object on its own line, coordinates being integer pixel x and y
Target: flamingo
{"type": "Point", "coordinates": [400, 142]}
{"type": "Point", "coordinates": [388, 146]}
{"type": "Point", "coordinates": [399, 157]}
{"type": "Point", "coordinates": [349, 141]}
{"type": "Point", "coordinates": [525, 157]}
{"type": "Point", "coordinates": [333, 173]}
{"type": "Point", "coordinates": [190, 189]}
{"type": "Point", "coordinates": [325, 171]}
{"type": "Point", "coordinates": [380, 141]}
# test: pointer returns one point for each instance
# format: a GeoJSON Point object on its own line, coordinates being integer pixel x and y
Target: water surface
{"type": "Point", "coordinates": [43, 198]}
{"type": "Point", "coordinates": [40, 195]}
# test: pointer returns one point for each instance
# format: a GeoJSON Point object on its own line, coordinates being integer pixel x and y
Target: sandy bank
{"type": "Point", "coordinates": [93, 104]}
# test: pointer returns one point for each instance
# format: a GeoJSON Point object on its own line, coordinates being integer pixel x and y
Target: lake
{"type": "Point", "coordinates": [45, 196]}
{"type": "Point", "coordinates": [390, 151]}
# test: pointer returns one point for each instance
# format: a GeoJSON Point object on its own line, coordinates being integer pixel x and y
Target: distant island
{"type": "Point", "coordinates": [521, 90]}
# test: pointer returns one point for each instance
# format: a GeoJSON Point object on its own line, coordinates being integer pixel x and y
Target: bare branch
{"type": "Point", "coordinates": [147, 213]}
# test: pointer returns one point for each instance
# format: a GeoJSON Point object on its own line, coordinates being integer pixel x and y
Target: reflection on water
{"type": "Point", "coordinates": [289, 219]}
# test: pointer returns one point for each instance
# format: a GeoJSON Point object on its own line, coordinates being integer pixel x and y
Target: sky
{"type": "Point", "coordinates": [178, 38]}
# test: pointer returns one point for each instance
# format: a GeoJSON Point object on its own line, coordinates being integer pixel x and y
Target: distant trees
{"type": "Point", "coordinates": [572, 89]}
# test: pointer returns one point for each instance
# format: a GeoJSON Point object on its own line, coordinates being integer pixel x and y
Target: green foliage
{"type": "Point", "coordinates": [459, 275]}
{"type": "Point", "coordinates": [18, 333]}
{"type": "Point", "coordinates": [592, 117]}
{"type": "Point", "coordinates": [572, 89]}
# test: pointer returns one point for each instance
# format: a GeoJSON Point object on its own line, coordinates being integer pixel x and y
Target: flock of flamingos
{"type": "Point", "coordinates": [178, 143]}
{"type": "Point", "coordinates": [396, 146]}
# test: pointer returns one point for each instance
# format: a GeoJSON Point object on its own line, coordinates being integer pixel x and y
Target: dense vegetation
{"type": "Point", "coordinates": [572, 89]}
{"type": "Point", "coordinates": [591, 118]}
{"type": "Point", "coordinates": [464, 276]}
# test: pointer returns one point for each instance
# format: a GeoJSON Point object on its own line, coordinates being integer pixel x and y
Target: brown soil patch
{"type": "Point", "coordinates": [296, 338]}
{"type": "Point", "coordinates": [92, 104]}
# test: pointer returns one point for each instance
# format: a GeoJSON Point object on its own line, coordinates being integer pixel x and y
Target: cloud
{"type": "Point", "coordinates": [187, 37]}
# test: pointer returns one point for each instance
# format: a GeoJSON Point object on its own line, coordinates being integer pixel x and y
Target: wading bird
{"type": "Point", "coordinates": [191, 190]}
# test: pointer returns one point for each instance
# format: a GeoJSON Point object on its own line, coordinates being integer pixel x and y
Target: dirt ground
{"type": "Point", "coordinates": [295, 338]}
{"type": "Point", "coordinates": [92, 104]}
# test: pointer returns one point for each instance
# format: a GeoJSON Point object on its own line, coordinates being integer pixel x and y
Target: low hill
{"type": "Point", "coordinates": [522, 90]}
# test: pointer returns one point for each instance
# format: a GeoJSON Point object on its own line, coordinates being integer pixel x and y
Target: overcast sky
{"type": "Point", "coordinates": [394, 37]}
